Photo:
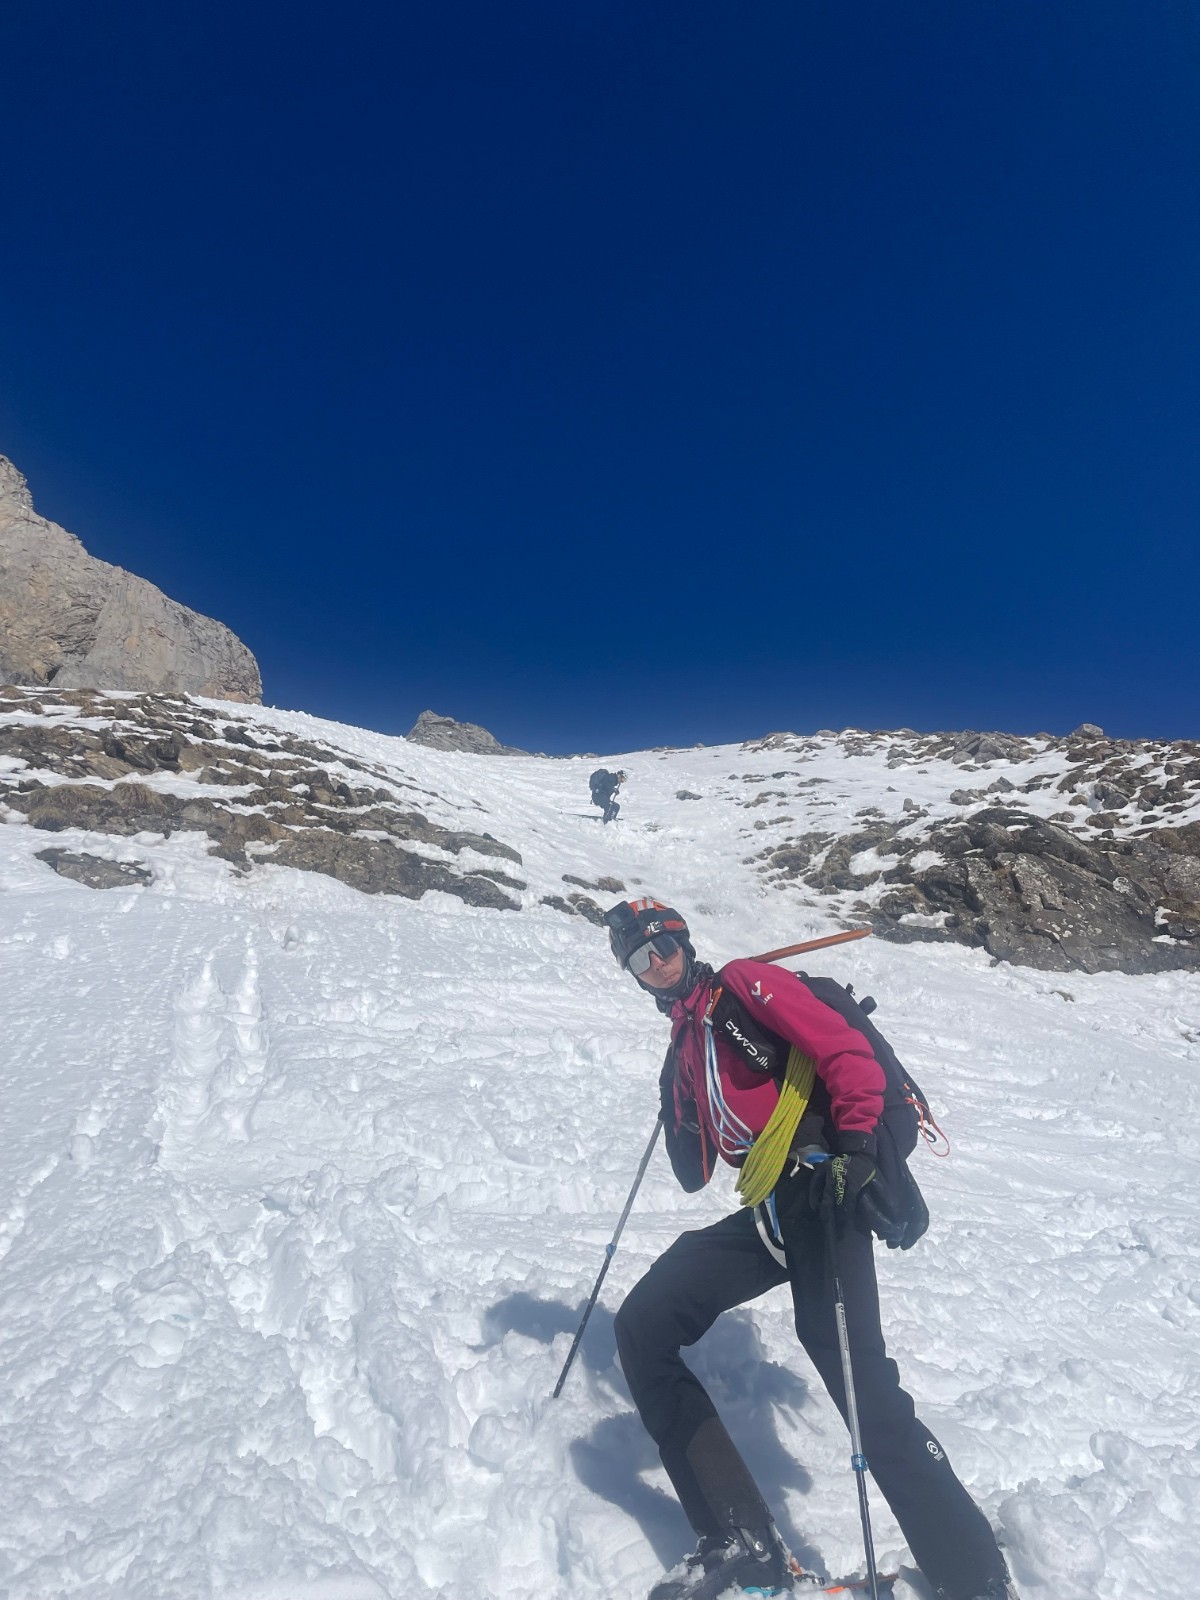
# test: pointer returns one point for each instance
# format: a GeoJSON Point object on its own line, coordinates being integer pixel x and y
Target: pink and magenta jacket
{"type": "Point", "coordinates": [777, 1001]}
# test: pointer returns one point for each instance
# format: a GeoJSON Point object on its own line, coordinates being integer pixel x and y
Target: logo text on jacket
{"type": "Point", "coordinates": [745, 1043]}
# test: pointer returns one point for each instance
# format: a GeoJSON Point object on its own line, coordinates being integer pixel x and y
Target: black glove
{"type": "Point", "coordinates": [838, 1183]}
{"type": "Point", "coordinates": [899, 1219]}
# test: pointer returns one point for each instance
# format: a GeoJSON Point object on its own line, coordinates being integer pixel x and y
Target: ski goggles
{"type": "Point", "coordinates": [663, 945]}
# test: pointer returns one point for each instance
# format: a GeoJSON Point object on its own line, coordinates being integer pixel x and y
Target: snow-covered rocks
{"type": "Point", "coordinates": [87, 763]}
{"type": "Point", "coordinates": [869, 827]}
{"type": "Point", "coordinates": [1003, 865]}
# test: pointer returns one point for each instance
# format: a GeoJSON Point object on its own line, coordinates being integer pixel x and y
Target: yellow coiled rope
{"type": "Point", "coordinates": [762, 1167]}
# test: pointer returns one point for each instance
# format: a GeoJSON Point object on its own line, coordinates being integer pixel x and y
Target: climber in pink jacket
{"type": "Point", "coordinates": [737, 1035]}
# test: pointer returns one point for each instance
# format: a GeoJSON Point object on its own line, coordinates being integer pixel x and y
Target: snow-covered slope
{"type": "Point", "coordinates": [303, 1190]}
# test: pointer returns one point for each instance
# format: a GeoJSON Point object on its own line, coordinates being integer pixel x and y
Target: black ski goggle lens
{"type": "Point", "coordinates": [662, 945]}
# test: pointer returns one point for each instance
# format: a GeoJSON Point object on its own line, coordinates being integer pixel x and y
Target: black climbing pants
{"type": "Point", "coordinates": [716, 1268]}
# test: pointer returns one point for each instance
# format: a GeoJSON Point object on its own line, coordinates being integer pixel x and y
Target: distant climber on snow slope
{"type": "Point", "coordinates": [745, 1041]}
{"type": "Point", "coordinates": [604, 786]}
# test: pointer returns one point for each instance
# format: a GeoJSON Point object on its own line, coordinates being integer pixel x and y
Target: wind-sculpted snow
{"type": "Point", "coordinates": [304, 1189]}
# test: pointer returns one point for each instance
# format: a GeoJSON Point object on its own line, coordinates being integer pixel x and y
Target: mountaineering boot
{"type": "Point", "coordinates": [689, 1569]}
{"type": "Point", "coordinates": [739, 1547]}
{"type": "Point", "coordinates": [744, 1561]}
{"type": "Point", "coordinates": [998, 1589]}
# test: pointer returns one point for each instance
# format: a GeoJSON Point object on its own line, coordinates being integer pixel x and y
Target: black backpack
{"type": "Point", "coordinates": [904, 1105]}
{"type": "Point", "coordinates": [601, 784]}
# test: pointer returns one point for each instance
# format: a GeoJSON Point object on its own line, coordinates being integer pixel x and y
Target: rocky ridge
{"type": "Point", "coordinates": [72, 620]}
{"type": "Point", "coordinates": [106, 765]}
{"type": "Point", "coordinates": [444, 733]}
{"type": "Point", "coordinates": [1066, 854]}
{"type": "Point", "coordinates": [1076, 853]}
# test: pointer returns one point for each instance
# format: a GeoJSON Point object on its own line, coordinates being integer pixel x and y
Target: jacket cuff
{"type": "Point", "coordinates": [853, 1144]}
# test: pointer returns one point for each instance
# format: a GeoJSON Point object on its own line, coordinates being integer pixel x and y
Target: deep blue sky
{"type": "Point", "coordinates": [613, 372]}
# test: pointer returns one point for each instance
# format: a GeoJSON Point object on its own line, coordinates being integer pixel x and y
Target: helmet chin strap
{"type": "Point", "coordinates": [694, 972]}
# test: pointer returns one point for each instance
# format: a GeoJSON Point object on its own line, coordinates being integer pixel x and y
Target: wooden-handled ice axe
{"type": "Point", "coordinates": [814, 944]}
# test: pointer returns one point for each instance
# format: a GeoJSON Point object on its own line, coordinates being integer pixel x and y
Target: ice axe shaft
{"type": "Point", "coordinates": [814, 944]}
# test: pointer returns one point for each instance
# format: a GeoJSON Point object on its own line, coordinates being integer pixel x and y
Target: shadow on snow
{"type": "Point", "coordinates": [729, 1361]}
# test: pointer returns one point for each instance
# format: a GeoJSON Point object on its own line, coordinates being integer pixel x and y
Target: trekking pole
{"type": "Point", "coordinates": [610, 1250]}
{"type": "Point", "coordinates": [857, 1460]}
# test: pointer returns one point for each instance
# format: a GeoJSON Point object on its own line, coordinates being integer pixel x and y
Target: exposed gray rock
{"type": "Point", "coordinates": [834, 872]}
{"type": "Point", "coordinates": [1099, 893]}
{"type": "Point", "coordinates": [443, 733]}
{"type": "Point", "coordinates": [795, 857]}
{"type": "Point", "coordinates": [73, 620]}
{"type": "Point", "coordinates": [295, 811]}
{"type": "Point", "coordinates": [557, 903]}
{"type": "Point", "coordinates": [376, 866]}
{"type": "Point", "coordinates": [685, 794]}
{"type": "Point", "coordinates": [605, 885]}
{"type": "Point", "coordinates": [1032, 892]}
{"type": "Point", "coordinates": [1110, 796]}
{"type": "Point", "coordinates": [94, 871]}
{"type": "Point", "coordinates": [576, 905]}
{"type": "Point", "coordinates": [983, 747]}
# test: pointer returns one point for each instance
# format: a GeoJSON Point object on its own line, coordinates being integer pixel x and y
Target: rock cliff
{"type": "Point", "coordinates": [70, 619]}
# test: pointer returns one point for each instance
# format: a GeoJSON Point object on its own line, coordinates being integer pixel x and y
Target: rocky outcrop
{"type": "Point", "coordinates": [291, 803]}
{"type": "Point", "coordinates": [69, 619]}
{"type": "Point", "coordinates": [443, 733]}
{"type": "Point", "coordinates": [95, 871]}
{"type": "Point", "coordinates": [1083, 853]}
{"type": "Point", "coordinates": [580, 905]}
{"type": "Point", "coordinates": [1033, 892]}
{"type": "Point", "coordinates": [1080, 853]}
{"type": "Point", "coordinates": [605, 885]}
{"type": "Point", "coordinates": [903, 747]}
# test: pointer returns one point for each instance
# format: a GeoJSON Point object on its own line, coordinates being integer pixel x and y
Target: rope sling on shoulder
{"type": "Point", "coordinates": [763, 1166]}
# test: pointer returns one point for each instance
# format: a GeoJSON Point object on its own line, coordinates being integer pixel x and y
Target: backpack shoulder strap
{"type": "Point", "coordinates": [763, 1050]}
